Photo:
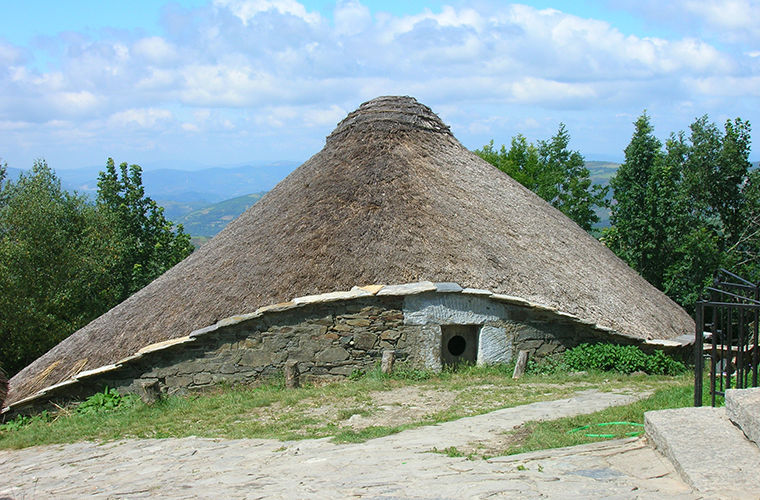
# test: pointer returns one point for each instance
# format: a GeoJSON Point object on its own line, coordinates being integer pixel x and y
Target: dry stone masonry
{"type": "Point", "coordinates": [330, 336]}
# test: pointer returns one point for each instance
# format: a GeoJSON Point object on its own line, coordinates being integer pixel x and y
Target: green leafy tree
{"type": "Point", "coordinates": [53, 246]}
{"type": "Point", "coordinates": [148, 243]}
{"type": "Point", "coordinates": [553, 172]}
{"type": "Point", "coordinates": [630, 235]}
{"type": "Point", "coordinates": [64, 261]}
{"type": "Point", "coordinates": [681, 213]}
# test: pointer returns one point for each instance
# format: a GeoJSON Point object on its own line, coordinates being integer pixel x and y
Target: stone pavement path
{"type": "Point", "coordinates": [396, 466]}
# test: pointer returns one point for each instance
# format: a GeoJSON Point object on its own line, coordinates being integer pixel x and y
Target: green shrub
{"type": "Point", "coordinates": [21, 421]}
{"type": "Point", "coordinates": [547, 365]}
{"type": "Point", "coordinates": [107, 400]}
{"type": "Point", "coordinates": [620, 358]}
{"type": "Point", "coordinates": [606, 357]}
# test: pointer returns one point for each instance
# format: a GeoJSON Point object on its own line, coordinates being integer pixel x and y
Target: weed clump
{"type": "Point", "coordinates": [107, 400]}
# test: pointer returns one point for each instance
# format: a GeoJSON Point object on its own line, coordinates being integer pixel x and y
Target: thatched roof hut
{"type": "Point", "coordinates": [392, 198]}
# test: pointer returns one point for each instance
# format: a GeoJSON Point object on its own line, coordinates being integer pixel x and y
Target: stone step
{"type": "Point", "coordinates": [712, 455]}
{"type": "Point", "coordinates": [743, 409]}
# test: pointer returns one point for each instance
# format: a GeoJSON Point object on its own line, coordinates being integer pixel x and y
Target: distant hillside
{"type": "Point", "coordinates": [602, 171]}
{"type": "Point", "coordinates": [211, 219]}
{"type": "Point", "coordinates": [195, 188]}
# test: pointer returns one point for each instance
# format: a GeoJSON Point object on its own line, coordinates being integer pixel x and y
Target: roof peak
{"type": "Point", "coordinates": [390, 113]}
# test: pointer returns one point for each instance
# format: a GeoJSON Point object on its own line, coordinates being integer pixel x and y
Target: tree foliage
{"type": "Point", "coordinates": [147, 243]}
{"type": "Point", "coordinates": [62, 257]}
{"type": "Point", "coordinates": [552, 171]}
{"type": "Point", "coordinates": [684, 209]}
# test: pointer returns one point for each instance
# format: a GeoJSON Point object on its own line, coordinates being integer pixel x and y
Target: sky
{"type": "Point", "coordinates": [199, 83]}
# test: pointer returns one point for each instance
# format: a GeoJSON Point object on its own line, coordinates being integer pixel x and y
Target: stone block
{"type": "Point", "coordinates": [358, 322]}
{"type": "Point", "coordinates": [228, 368]}
{"type": "Point", "coordinates": [282, 306]}
{"type": "Point", "coordinates": [452, 309]}
{"type": "Point", "coordinates": [149, 391]}
{"type": "Point", "coordinates": [189, 366]}
{"type": "Point", "coordinates": [250, 343]}
{"type": "Point", "coordinates": [354, 293]}
{"type": "Point", "coordinates": [510, 299]}
{"type": "Point", "coordinates": [371, 289]}
{"type": "Point", "coordinates": [234, 320]}
{"type": "Point", "coordinates": [178, 381]}
{"type": "Point", "coordinates": [390, 335]}
{"type": "Point", "coordinates": [345, 370]}
{"type": "Point", "coordinates": [392, 317]}
{"type": "Point", "coordinates": [364, 340]}
{"type": "Point", "coordinates": [96, 371]}
{"type": "Point", "coordinates": [448, 287]}
{"type": "Point", "coordinates": [743, 409]}
{"type": "Point", "coordinates": [408, 288]}
{"type": "Point", "coordinates": [326, 321]}
{"type": "Point", "coordinates": [202, 378]}
{"type": "Point", "coordinates": [493, 346]}
{"type": "Point", "coordinates": [256, 358]}
{"type": "Point", "coordinates": [712, 455]}
{"type": "Point", "coordinates": [165, 344]}
{"type": "Point", "coordinates": [332, 355]}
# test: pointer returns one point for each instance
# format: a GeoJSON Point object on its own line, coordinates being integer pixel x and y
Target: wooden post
{"type": "Point", "coordinates": [522, 361]}
{"type": "Point", "coordinates": [386, 366]}
{"type": "Point", "coordinates": [150, 392]}
{"type": "Point", "coordinates": [291, 374]}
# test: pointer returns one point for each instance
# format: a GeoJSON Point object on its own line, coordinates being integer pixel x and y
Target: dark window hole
{"type": "Point", "coordinates": [457, 344]}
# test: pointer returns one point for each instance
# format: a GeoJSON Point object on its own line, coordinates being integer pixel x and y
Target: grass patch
{"type": "Point", "coordinates": [271, 411]}
{"type": "Point", "coordinates": [567, 431]}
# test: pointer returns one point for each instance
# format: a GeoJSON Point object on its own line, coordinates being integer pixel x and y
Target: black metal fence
{"type": "Point", "coordinates": [727, 336]}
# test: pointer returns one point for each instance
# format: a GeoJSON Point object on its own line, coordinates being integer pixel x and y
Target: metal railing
{"type": "Point", "coordinates": [727, 336]}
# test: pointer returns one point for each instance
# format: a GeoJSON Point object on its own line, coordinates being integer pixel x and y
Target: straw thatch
{"type": "Point", "coordinates": [392, 198]}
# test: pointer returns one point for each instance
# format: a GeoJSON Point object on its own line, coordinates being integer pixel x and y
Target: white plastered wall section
{"type": "Point", "coordinates": [431, 310]}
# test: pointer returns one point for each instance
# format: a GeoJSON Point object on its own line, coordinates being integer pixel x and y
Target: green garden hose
{"type": "Point", "coordinates": [603, 424]}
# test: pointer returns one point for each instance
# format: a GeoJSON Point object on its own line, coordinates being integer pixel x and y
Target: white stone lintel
{"type": "Point", "coordinates": [408, 288]}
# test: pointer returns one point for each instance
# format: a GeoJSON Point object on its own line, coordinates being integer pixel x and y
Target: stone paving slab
{"type": "Point", "coordinates": [396, 466]}
{"type": "Point", "coordinates": [743, 409]}
{"type": "Point", "coordinates": [711, 453]}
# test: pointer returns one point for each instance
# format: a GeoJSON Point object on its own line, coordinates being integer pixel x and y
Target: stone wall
{"type": "Point", "coordinates": [333, 335]}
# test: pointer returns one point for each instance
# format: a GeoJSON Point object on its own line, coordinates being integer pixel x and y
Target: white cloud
{"type": "Point", "coordinates": [726, 14]}
{"type": "Point", "coordinates": [246, 10]}
{"type": "Point", "coordinates": [324, 116]}
{"type": "Point", "coordinates": [351, 17]}
{"type": "Point", "coordinates": [536, 90]}
{"type": "Point", "coordinates": [155, 49]}
{"type": "Point", "coordinates": [190, 127]}
{"type": "Point", "coordinates": [247, 66]}
{"type": "Point", "coordinates": [728, 86]}
{"type": "Point", "coordinates": [150, 118]}
{"type": "Point", "coordinates": [75, 102]}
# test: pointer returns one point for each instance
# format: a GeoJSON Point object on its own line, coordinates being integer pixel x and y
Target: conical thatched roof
{"type": "Point", "coordinates": [392, 198]}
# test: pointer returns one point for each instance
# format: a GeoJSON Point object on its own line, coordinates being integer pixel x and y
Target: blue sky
{"type": "Point", "coordinates": [226, 82]}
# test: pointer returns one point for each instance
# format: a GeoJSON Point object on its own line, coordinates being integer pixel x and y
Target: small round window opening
{"type": "Point", "coordinates": [456, 346]}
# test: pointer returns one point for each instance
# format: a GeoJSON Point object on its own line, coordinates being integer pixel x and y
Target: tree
{"type": "Point", "coordinates": [681, 213]}
{"type": "Point", "coordinates": [553, 172]}
{"type": "Point", "coordinates": [148, 245]}
{"type": "Point", "coordinates": [52, 254]}
{"type": "Point", "coordinates": [64, 261]}
{"type": "Point", "coordinates": [574, 194]}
